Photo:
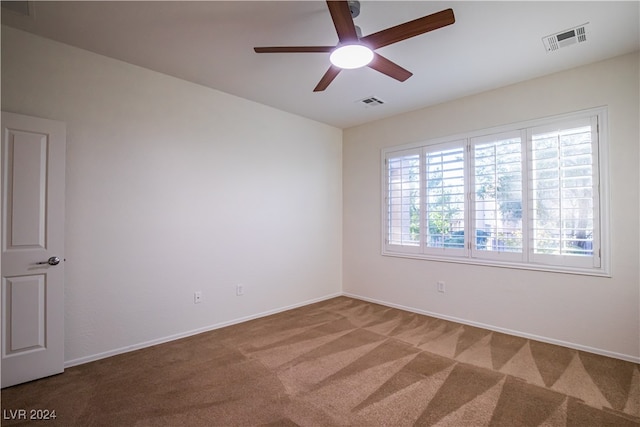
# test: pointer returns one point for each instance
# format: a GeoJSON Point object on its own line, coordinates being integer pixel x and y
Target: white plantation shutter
{"type": "Point", "coordinates": [564, 193]}
{"type": "Point", "coordinates": [525, 195]}
{"type": "Point", "coordinates": [403, 200]}
{"type": "Point", "coordinates": [497, 196]}
{"type": "Point", "coordinates": [445, 198]}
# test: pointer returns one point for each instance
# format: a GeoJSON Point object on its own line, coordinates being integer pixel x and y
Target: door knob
{"type": "Point", "coordinates": [54, 260]}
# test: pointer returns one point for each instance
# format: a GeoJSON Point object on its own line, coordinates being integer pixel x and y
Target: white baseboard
{"type": "Point", "coordinates": [126, 349]}
{"type": "Point", "coordinates": [574, 346]}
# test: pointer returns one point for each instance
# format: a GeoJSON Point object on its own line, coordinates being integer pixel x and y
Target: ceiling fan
{"type": "Point", "coordinates": [350, 43]}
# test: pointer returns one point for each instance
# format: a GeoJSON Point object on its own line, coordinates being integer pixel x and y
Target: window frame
{"type": "Point", "coordinates": [596, 265]}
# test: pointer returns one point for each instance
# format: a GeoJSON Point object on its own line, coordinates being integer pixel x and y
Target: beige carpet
{"type": "Point", "coordinates": [341, 362]}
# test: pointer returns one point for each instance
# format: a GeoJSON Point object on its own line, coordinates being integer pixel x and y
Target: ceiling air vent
{"type": "Point", "coordinates": [371, 101]}
{"type": "Point", "coordinates": [565, 38]}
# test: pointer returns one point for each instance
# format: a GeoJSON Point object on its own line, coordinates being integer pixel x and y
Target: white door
{"type": "Point", "coordinates": [33, 172]}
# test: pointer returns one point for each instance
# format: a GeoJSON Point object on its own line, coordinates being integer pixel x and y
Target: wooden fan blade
{"type": "Point", "coordinates": [328, 77]}
{"type": "Point", "coordinates": [409, 29]}
{"type": "Point", "coordinates": [341, 16]}
{"type": "Point", "coordinates": [391, 69]}
{"type": "Point", "coordinates": [294, 49]}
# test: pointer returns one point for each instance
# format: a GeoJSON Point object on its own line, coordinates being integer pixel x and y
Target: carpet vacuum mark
{"type": "Point", "coordinates": [336, 363]}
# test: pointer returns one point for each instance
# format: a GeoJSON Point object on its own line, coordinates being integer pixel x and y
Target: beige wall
{"type": "Point", "coordinates": [597, 314]}
{"type": "Point", "coordinates": [174, 188]}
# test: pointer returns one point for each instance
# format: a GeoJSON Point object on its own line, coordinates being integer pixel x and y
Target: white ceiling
{"type": "Point", "coordinates": [491, 44]}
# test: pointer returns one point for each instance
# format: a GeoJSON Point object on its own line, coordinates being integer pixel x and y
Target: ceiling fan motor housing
{"type": "Point", "coordinates": [354, 8]}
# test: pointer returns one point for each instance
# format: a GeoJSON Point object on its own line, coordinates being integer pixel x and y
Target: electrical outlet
{"type": "Point", "coordinates": [441, 287]}
{"type": "Point", "coordinates": [197, 297]}
{"type": "Point", "coordinates": [239, 289]}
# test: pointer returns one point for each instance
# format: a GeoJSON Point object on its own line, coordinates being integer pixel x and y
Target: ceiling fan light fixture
{"type": "Point", "coordinates": [351, 56]}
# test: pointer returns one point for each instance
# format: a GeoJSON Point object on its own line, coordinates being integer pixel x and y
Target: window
{"type": "Point", "coordinates": [403, 200]}
{"type": "Point", "coordinates": [445, 199]}
{"type": "Point", "coordinates": [497, 198]}
{"type": "Point", "coordinates": [525, 196]}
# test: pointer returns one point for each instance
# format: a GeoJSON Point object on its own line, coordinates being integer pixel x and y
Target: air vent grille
{"type": "Point", "coordinates": [371, 101]}
{"type": "Point", "coordinates": [565, 38]}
